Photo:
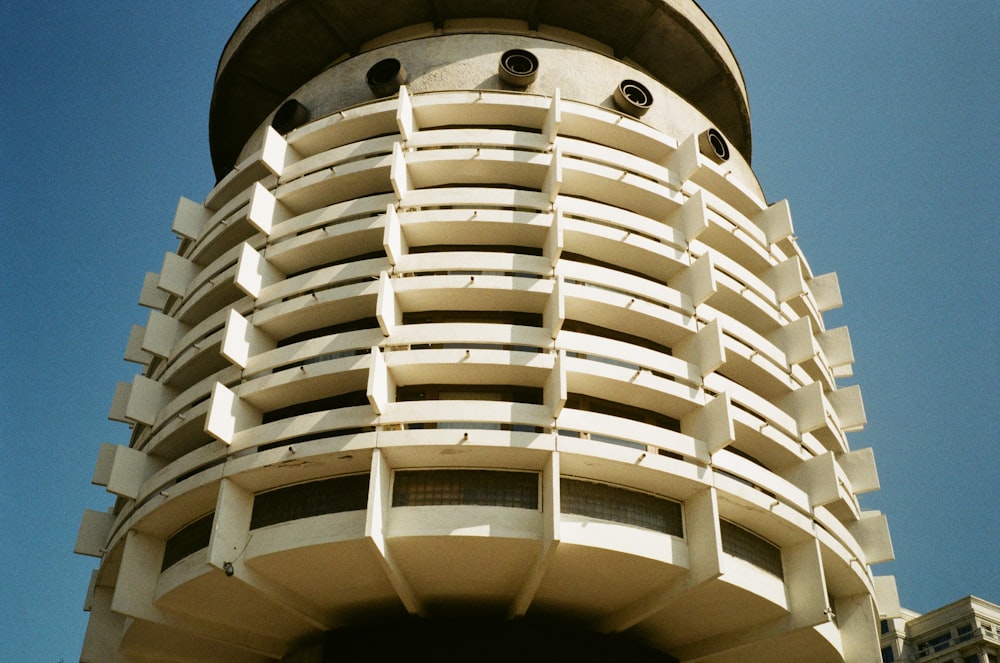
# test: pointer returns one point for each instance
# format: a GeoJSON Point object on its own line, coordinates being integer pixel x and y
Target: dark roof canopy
{"type": "Point", "coordinates": [281, 44]}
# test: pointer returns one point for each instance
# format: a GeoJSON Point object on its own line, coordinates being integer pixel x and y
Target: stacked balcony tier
{"type": "Point", "coordinates": [487, 353]}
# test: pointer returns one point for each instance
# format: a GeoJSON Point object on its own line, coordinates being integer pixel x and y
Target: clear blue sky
{"type": "Point", "coordinates": [879, 125]}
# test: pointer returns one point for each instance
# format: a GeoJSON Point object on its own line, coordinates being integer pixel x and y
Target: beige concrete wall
{"type": "Point", "coordinates": [470, 62]}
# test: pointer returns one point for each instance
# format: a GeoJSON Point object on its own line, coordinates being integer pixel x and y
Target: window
{"type": "Point", "coordinates": [887, 654]}
{"type": "Point", "coordinates": [884, 625]}
{"type": "Point", "coordinates": [598, 500]}
{"type": "Point", "coordinates": [746, 545]}
{"type": "Point", "coordinates": [971, 659]}
{"type": "Point", "coordinates": [517, 490]}
{"type": "Point", "coordinates": [937, 643]}
{"type": "Point", "coordinates": [304, 500]}
{"type": "Point", "coordinates": [187, 540]}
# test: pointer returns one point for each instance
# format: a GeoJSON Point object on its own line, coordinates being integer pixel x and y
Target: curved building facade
{"type": "Point", "coordinates": [485, 343]}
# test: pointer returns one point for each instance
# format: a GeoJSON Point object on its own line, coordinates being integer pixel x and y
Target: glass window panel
{"type": "Point", "coordinates": [316, 498]}
{"type": "Point", "coordinates": [187, 540]}
{"type": "Point", "coordinates": [598, 500]}
{"type": "Point", "coordinates": [746, 545]}
{"type": "Point", "coordinates": [517, 490]}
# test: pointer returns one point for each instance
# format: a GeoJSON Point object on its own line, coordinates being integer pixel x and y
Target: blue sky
{"type": "Point", "coordinates": [878, 126]}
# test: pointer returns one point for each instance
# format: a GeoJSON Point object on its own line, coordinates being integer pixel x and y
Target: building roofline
{"type": "Point", "coordinates": [961, 606]}
{"type": "Point", "coordinates": [281, 44]}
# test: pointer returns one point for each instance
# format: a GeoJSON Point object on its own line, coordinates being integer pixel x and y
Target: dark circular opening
{"type": "Point", "coordinates": [718, 144]}
{"type": "Point", "coordinates": [383, 72]}
{"type": "Point", "coordinates": [519, 64]}
{"type": "Point", "coordinates": [636, 93]}
{"type": "Point", "coordinates": [290, 115]}
{"type": "Point", "coordinates": [518, 67]}
{"type": "Point", "coordinates": [633, 97]}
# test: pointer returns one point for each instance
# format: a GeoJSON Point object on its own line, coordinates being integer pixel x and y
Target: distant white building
{"type": "Point", "coordinates": [966, 631]}
{"type": "Point", "coordinates": [486, 345]}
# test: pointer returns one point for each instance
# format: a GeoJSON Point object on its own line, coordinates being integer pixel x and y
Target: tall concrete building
{"type": "Point", "coordinates": [486, 345]}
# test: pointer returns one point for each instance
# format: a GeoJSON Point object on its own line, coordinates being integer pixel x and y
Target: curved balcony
{"type": "Point", "coordinates": [629, 314]}
{"type": "Point", "coordinates": [199, 337]}
{"type": "Point", "coordinates": [627, 245]}
{"type": "Point", "coordinates": [414, 300]}
{"type": "Point", "coordinates": [472, 289]}
{"type": "Point", "coordinates": [195, 360]}
{"type": "Point", "coordinates": [226, 228]}
{"type": "Point", "coordinates": [331, 234]}
{"type": "Point", "coordinates": [350, 425]}
{"type": "Point", "coordinates": [321, 348]}
{"type": "Point", "coordinates": [475, 226]}
{"type": "Point", "coordinates": [178, 436]}
{"type": "Point", "coordinates": [314, 310]}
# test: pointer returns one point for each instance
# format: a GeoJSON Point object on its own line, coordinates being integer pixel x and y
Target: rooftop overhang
{"type": "Point", "coordinates": [281, 44]}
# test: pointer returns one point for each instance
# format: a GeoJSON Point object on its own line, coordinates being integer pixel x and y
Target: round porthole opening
{"type": "Point", "coordinates": [518, 67]}
{"type": "Point", "coordinates": [633, 97]}
{"type": "Point", "coordinates": [290, 115]}
{"type": "Point", "coordinates": [713, 145]}
{"type": "Point", "coordinates": [385, 76]}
